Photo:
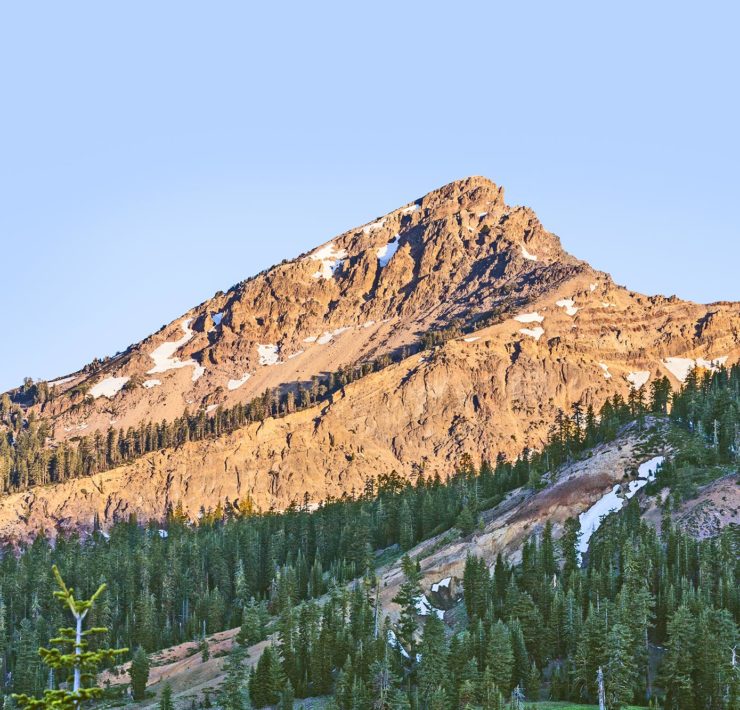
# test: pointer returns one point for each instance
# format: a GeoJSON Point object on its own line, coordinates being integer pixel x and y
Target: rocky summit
{"type": "Point", "coordinates": [448, 331]}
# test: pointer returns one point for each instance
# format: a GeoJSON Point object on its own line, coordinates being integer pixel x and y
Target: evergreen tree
{"type": "Point", "coordinates": [234, 692]}
{"type": "Point", "coordinates": [71, 655]}
{"type": "Point", "coordinates": [534, 683]}
{"type": "Point", "coordinates": [500, 657]}
{"type": "Point", "coordinates": [165, 699]}
{"type": "Point", "coordinates": [139, 673]}
{"type": "Point", "coordinates": [620, 671]}
{"type": "Point", "coordinates": [678, 661]}
{"type": "Point", "coordinates": [431, 671]}
{"type": "Point", "coordinates": [407, 598]}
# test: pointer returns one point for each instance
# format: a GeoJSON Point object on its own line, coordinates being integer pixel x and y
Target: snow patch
{"type": "Point", "coordinates": [268, 353]}
{"type": "Point", "coordinates": [679, 367]}
{"type": "Point", "coordinates": [611, 502]}
{"type": "Point", "coordinates": [148, 384]}
{"type": "Point", "coordinates": [527, 255]}
{"type": "Point", "coordinates": [311, 339]}
{"type": "Point", "coordinates": [712, 365]}
{"type": "Point", "coordinates": [385, 253]}
{"type": "Point", "coordinates": [472, 340]}
{"type": "Point", "coordinates": [639, 378]}
{"type": "Point", "coordinates": [369, 324]}
{"type": "Point", "coordinates": [61, 381]}
{"type": "Point", "coordinates": [605, 368]}
{"type": "Point", "coordinates": [329, 335]}
{"type": "Point", "coordinates": [442, 583]}
{"type": "Point", "coordinates": [295, 354]}
{"type": "Point", "coordinates": [165, 360]}
{"type": "Point", "coordinates": [411, 209]}
{"type": "Point", "coordinates": [330, 259]}
{"type": "Point", "coordinates": [569, 306]}
{"type": "Point", "coordinates": [163, 534]}
{"type": "Point", "coordinates": [529, 318]}
{"type": "Point", "coordinates": [591, 519]}
{"type": "Point", "coordinates": [424, 608]}
{"type": "Point", "coordinates": [535, 333]}
{"type": "Point", "coordinates": [592, 287]}
{"type": "Point", "coordinates": [481, 215]}
{"type": "Point", "coordinates": [606, 304]}
{"type": "Point", "coordinates": [393, 642]}
{"type": "Point", "coordinates": [217, 318]}
{"type": "Point", "coordinates": [109, 387]}
{"type": "Point", "coordinates": [210, 408]}
{"type": "Point", "coordinates": [236, 384]}
{"type": "Point", "coordinates": [373, 226]}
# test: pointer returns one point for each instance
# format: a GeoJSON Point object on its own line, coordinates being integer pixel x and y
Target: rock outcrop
{"type": "Point", "coordinates": [551, 330]}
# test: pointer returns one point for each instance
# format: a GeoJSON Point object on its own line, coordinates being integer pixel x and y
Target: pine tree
{"type": "Point", "coordinates": [431, 670]}
{"type": "Point", "coordinates": [266, 683]}
{"type": "Point", "coordinates": [620, 672]}
{"type": "Point", "coordinates": [139, 674]}
{"type": "Point", "coordinates": [678, 661]}
{"type": "Point", "coordinates": [489, 694]}
{"type": "Point", "coordinates": [165, 700]}
{"type": "Point", "coordinates": [500, 657]}
{"type": "Point", "coordinates": [234, 692]}
{"type": "Point", "coordinates": [72, 655]}
{"type": "Point", "coordinates": [534, 683]}
{"type": "Point", "coordinates": [408, 594]}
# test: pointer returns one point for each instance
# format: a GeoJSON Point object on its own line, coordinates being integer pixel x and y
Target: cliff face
{"type": "Point", "coordinates": [560, 332]}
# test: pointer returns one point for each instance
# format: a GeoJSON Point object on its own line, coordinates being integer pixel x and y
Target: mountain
{"type": "Point", "coordinates": [452, 329]}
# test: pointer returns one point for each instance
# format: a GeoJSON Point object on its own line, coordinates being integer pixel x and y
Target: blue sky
{"type": "Point", "coordinates": [154, 153]}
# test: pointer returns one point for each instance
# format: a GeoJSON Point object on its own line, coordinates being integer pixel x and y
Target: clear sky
{"type": "Point", "coordinates": [152, 153]}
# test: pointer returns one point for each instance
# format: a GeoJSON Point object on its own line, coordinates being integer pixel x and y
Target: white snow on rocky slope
{"type": "Point", "coordinates": [535, 333]}
{"type": "Point", "coordinates": [605, 368]}
{"type": "Point", "coordinates": [569, 305]}
{"type": "Point", "coordinates": [164, 356]}
{"type": "Point", "coordinates": [639, 378]}
{"type": "Point", "coordinates": [529, 318]}
{"type": "Point", "coordinates": [330, 259]}
{"type": "Point", "coordinates": [393, 642]}
{"type": "Point", "coordinates": [472, 339]}
{"type": "Point", "coordinates": [148, 384]}
{"type": "Point", "coordinates": [410, 209]}
{"type": "Point", "coordinates": [424, 608]}
{"type": "Point", "coordinates": [329, 335]}
{"type": "Point", "coordinates": [712, 365]}
{"type": "Point", "coordinates": [109, 387]}
{"type": "Point", "coordinates": [679, 367]}
{"type": "Point", "coordinates": [610, 502]}
{"type": "Point", "coordinates": [385, 253]}
{"type": "Point", "coordinates": [527, 255]}
{"type": "Point", "coordinates": [268, 354]}
{"type": "Point", "coordinates": [236, 384]}
{"type": "Point", "coordinates": [373, 226]}
{"type": "Point", "coordinates": [62, 381]}
{"type": "Point", "coordinates": [442, 583]}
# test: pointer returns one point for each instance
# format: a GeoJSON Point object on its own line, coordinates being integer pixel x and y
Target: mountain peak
{"type": "Point", "coordinates": [456, 310]}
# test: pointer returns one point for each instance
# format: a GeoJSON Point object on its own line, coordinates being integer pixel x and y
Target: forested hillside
{"type": "Point", "coordinates": [656, 612]}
